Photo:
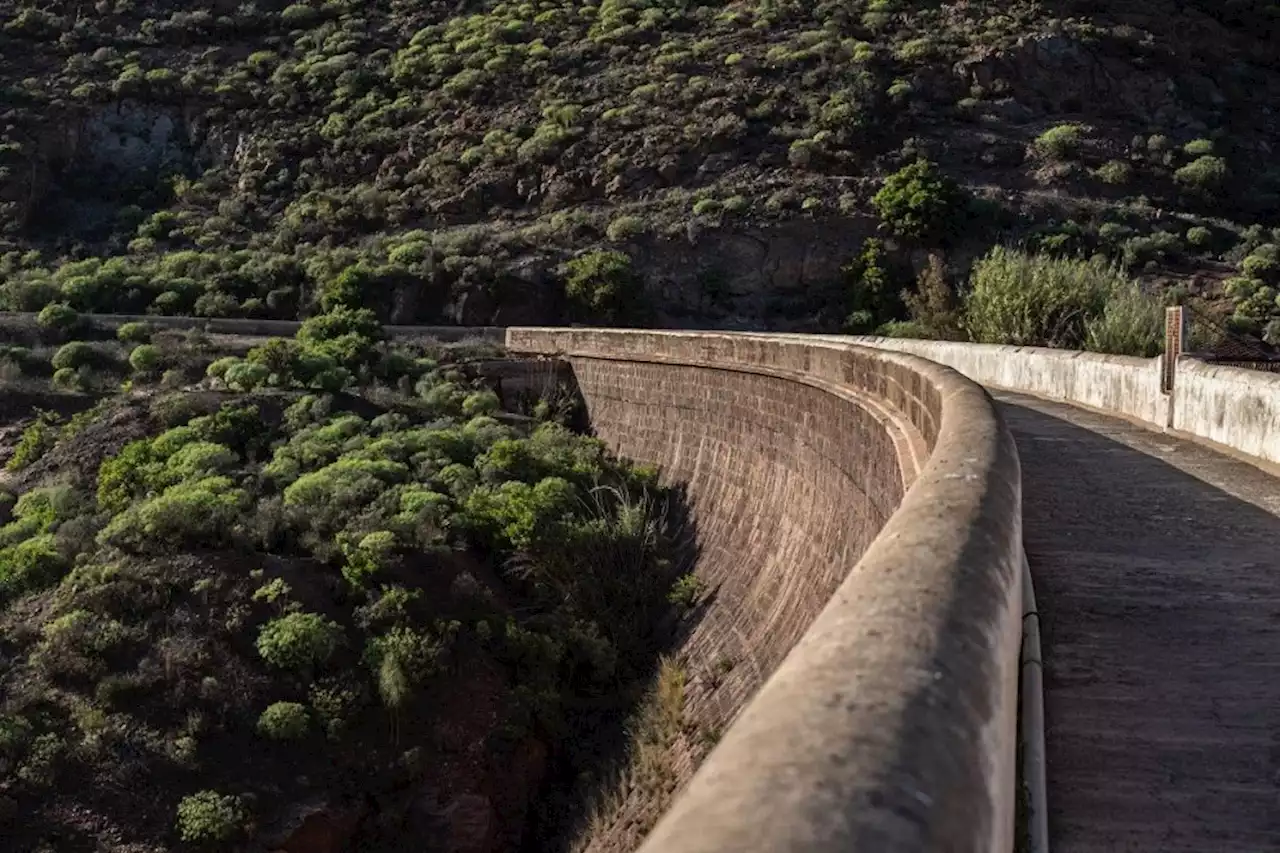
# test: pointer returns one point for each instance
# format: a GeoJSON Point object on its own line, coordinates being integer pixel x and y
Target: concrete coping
{"type": "Point", "coordinates": [891, 725]}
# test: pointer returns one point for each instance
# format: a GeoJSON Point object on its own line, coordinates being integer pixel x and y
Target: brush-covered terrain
{"type": "Point", "coordinates": [646, 161]}
{"type": "Point", "coordinates": [339, 592]}
{"type": "Point", "coordinates": [327, 594]}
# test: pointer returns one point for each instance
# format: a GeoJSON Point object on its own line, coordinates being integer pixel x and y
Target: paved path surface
{"type": "Point", "coordinates": [1157, 571]}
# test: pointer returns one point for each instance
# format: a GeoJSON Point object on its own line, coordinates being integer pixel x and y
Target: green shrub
{"type": "Point", "coordinates": [1263, 264]}
{"type": "Point", "coordinates": [208, 816]}
{"type": "Point", "coordinates": [919, 202]}
{"type": "Point", "coordinates": [58, 316]}
{"type": "Point", "coordinates": [1131, 323]}
{"type": "Point", "coordinates": [244, 376]}
{"type": "Point", "coordinates": [1115, 172]}
{"type": "Point", "coordinates": [37, 439]}
{"type": "Point", "coordinates": [368, 558]}
{"type": "Point", "coordinates": [145, 358]}
{"type": "Point", "coordinates": [299, 641]}
{"type": "Point", "coordinates": [1198, 148]}
{"type": "Point", "coordinates": [134, 333]}
{"type": "Point", "coordinates": [29, 565]}
{"type": "Point", "coordinates": [218, 368]}
{"type": "Point", "coordinates": [1060, 142]}
{"type": "Point", "coordinates": [1199, 237]}
{"type": "Point", "coordinates": [624, 228]}
{"type": "Point", "coordinates": [66, 379]}
{"type": "Point", "coordinates": [598, 285]}
{"type": "Point", "coordinates": [1035, 300]}
{"type": "Point", "coordinates": [347, 335]}
{"type": "Point", "coordinates": [402, 659]}
{"type": "Point", "coordinates": [686, 591]}
{"type": "Point", "coordinates": [1204, 175]}
{"type": "Point", "coordinates": [73, 355]}
{"type": "Point", "coordinates": [284, 721]}
{"type": "Point", "coordinates": [201, 512]}
{"type": "Point", "coordinates": [481, 403]}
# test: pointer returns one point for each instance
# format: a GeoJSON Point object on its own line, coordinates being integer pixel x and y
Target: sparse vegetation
{"type": "Point", "coordinates": [265, 571]}
{"type": "Point", "coordinates": [295, 546]}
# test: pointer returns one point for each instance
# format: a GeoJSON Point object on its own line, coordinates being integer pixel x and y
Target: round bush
{"type": "Point", "coordinates": [624, 228]}
{"type": "Point", "coordinates": [66, 379]}
{"type": "Point", "coordinates": [1199, 237]}
{"type": "Point", "coordinates": [1260, 266]}
{"type": "Point", "coordinates": [218, 369]}
{"type": "Point", "coordinates": [57, 316]}
{"type": "Point", "coordinates": [145, 358]}
{"type": "Point", "coordinates": [298, 640]}
{"type": "Point", "coordinates": [284, 721]}
{"type": "Point", "coordinates": [134, 333]}
{"type": "Point", "coordinates": [481, 403]}
{"type": "Point", "coordinates": [209, 816]}
{"type": "Point", "coordinates": [72, 355]}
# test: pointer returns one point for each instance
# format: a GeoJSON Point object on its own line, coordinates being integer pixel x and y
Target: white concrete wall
{"type": "Point", "coordinates": [1231, 406]}
{"type": "Point", "coordinates": [1113, 383]}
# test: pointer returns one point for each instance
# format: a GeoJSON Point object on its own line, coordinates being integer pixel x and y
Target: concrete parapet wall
{"type": "Point", "coordinates": [858, 515]}
{"type": "Point", "coordinates": [1233, 407]}
{"type": "Point", "coordinates": [1112, 383]}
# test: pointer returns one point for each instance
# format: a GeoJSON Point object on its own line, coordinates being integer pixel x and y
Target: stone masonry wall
{"type": "Point", "coordinates": [780, 476]}
{"type": "Point", "coordinates": [858, 515]}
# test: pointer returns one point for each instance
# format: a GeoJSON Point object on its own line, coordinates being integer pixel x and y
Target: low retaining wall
{"type": "Point", "coordinates": [859, 518]}
{"type": "Point", "coordinates": [1231, 406]}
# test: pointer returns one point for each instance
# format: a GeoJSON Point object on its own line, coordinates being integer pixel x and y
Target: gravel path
{"type": "Point", "coordinates": [1157, 569]}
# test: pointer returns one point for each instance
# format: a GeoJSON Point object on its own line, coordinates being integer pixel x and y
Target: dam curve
{"type": "Point", "coordinates": [858, 519]}
{"type": "Point", "coordinates": [864, 509]}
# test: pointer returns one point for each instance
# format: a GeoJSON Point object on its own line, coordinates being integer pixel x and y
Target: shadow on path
{"type": "Point", "coordinates": [1157, 570]}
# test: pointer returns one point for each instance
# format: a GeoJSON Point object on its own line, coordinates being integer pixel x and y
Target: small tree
{"type": "Point", "coordinates": [919, 202]}
{"type": "Point", "coordinates": [932, 305]}
{"type": "Point", "coordinates": [599, 286]}
{"type": "Point", "coordinates": [1203, 176]}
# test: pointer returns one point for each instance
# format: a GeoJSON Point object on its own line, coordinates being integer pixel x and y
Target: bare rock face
{"type": "Point", "coordinates": [471, 825]}
{"type": "Point", "coordinates": [321, 829]}
{"type": "Point", "coordinates": [737, 273]}
{"type": "Point", "coordinates": [128, 137]}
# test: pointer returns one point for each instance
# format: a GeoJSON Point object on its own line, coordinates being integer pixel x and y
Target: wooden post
{"type": "Point", "coordinates": [1175, 336]}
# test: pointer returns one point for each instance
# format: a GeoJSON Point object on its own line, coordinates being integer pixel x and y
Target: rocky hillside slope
{"type": "Point", "coordinates": [228, 159]}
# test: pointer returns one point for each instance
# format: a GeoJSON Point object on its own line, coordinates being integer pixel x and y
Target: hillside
{"type": "Point", "coordinates": [239, 611]}
{"type": "Point", "coordinates": [231, 159]}
{"type": "Point", "coordinates": [335, 592]}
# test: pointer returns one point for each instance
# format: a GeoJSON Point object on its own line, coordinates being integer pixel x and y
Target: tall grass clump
{"type": "Point", "coordinates": [1132, 323]}
{"type": "Point", "coordinates": [1024, 299]}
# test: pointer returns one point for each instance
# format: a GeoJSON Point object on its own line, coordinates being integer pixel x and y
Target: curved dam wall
{"type": "Point", "coordinates": [858, 521]}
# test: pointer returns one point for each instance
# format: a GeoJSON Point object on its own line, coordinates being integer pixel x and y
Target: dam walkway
{"type": "Point", "coordinates": [1157, 569]}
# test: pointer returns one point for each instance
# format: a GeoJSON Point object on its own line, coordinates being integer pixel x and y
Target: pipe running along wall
{"type": "Point", "coordinates": [858, 519]}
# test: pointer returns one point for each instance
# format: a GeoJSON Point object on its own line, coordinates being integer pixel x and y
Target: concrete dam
{"type": "Point", "coordinates": [866, 511]}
